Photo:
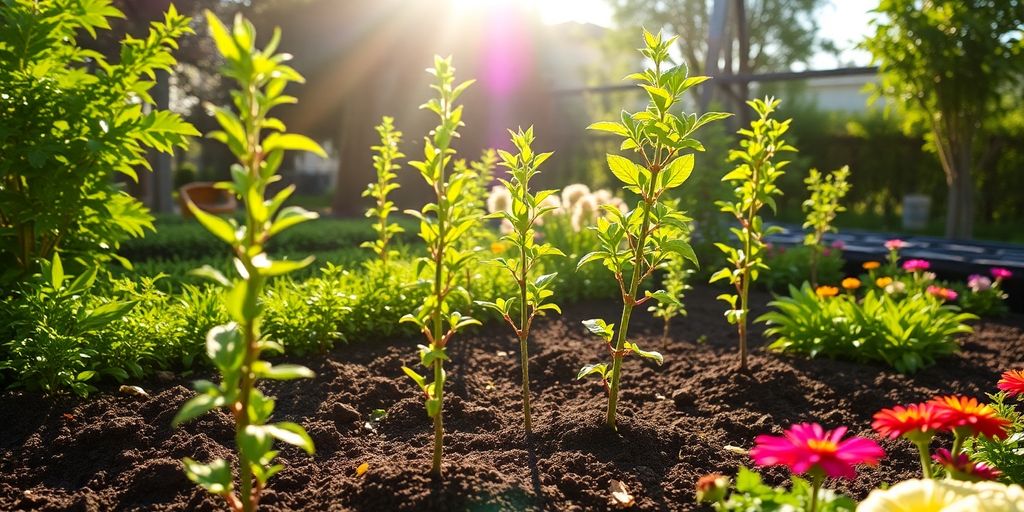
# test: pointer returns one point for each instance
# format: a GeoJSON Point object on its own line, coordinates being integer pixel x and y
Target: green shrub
{"type": "Point", "coordinates": [906, 331]}
{"type": "Point", "coordinates": [71, 122]}
{"type": "Point", "coordinates": [1007, 453]}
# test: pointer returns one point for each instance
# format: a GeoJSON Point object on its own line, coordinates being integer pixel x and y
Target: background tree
{"type": "Point", "coordinates": [781, 33]}
{"type": "Point", "coordinates": [946, 65]}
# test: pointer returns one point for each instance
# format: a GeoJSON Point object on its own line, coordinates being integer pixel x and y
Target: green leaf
{"type": "Point", "coordinates": [56, 272]}
{"type": "Point", "coordinates": [624, 169]}
{"type": "Point", "coordinates": [195, 407]}
{"type": "Point", "coordinates": [285, 372]}
{"type": "Point", "coordinates": [609, 126]}
{"type": "Point", "coordinates": [433, 407]}
{"type": "Point", "coordinates": [290, 216]}
{"type": "Point", "coordinates": [420, 380]}
{"type": "Point", "coordinates": [225, 347]}
{"type": "Point", "coordinates": [682, 248]}
{"type": "Point", "coordinates": [600, 328]}
{"type": "Point", "coordinates": [291, 433]}
{"type": "Point", "coordinates": [676, 172]}
{"type": "Point", "coordinates": [655, 356]}
{"type": "Point", "coordinates": [219, 227]}
{"type": "Point", "coordinates": [592, 369]}
{"type": "Point", "coordinates": [215, 477]}
{"type": "Point", "coordinates": [292, 141]}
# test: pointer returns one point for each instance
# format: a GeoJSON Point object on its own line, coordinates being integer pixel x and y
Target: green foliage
{"type": "Point", "coordinates": [754, 179]}
{"type": "Point", "coordinates": [1006, 454]}
{"type": "Point", "coordinates": [907, 331]}
{"type": "Point", "coordinates": [258, 142]}
{"type": "Point", "coordinates": [979, 298]}
{"type": "Point", "coordinates": [54, 324]}
{"type": "Point", "coordinates": [442, 223]}
{"type": "Point", "coordinates": [788, 265]}
{"type": "Point", "coordinates": [946, 68]}
{"type": "Point", "coordinates": [751, 493]}
{"type": "Point", "coordinates": [636, 243]}
{"type": "Point", "coordinates": [72, 121]}
{"type": "Point", "coordinates": [675, 282]}
{"type": "Point", "coordinates": [821, 208]}
{"type": "Point", "coordinates": [384, 162]}
{"type": "Point", "coordinates": [526, 212]}
{"type": "Point", "coordinates": [479, 174]}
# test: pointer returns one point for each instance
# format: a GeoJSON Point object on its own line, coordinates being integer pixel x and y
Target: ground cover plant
{"type": "Point", "coordinates": [526, 211]}
{"type": "Point", "coordinates": [88, 120]}
{"type": "Point", "coordinates": [754, 179]}
{"type": "Point", "coordinates": [441, 224]}
{"type": "Point", "coordinates": [235, 348]}
{"type": "Point", "coordinates": [637, 243]}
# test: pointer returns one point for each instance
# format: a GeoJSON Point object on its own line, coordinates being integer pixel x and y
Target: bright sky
{"type": "Point", "coordinates": [843, 21]}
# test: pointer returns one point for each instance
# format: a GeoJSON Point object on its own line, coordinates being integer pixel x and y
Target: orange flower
{"type": "Point", "coordinates": [851, 283]}
{"type": "Point", "coordinates": [971, 416]}
{"type": "Point", "coordinates": [871, 265]}
{"type": "Point", "coordinates": [882, 282]}
{"type": "Point", "coordinates": [917, 422]}
{"type": "Point", "coordinates": [1012, 382]}
{"type": "Point", "coordinates": [497, 247]}
{"type": "Point", "coordinates": [826, 291]}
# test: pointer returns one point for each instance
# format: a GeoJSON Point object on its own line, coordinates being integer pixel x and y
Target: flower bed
{"type": "Point", "coordinates": [676, 422]}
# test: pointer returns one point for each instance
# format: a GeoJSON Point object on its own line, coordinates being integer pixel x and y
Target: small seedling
{"type": "Point", "coordinates": [384, 162]}
{"type": "Point", "coordinates": [534, 292]}
{"type": "Point", "coordinates": [235, 348]}
{"type": "Point", "coordinates": [441, 224]}
{"type": "Point", "coordinates": [634, 244]}
{"type": "Point", "coordinates": [754, 178]}
{"type": "Point", "coordinates": [821, 208]}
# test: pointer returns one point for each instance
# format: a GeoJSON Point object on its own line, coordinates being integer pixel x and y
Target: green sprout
{"type": "Point", "coordinates": [634, 244]}
{"type": "Point", "coordinates": [754, 180]}
{"type": "Point", "coordinates": [821, 208]}
{"type": "Point", "coordinates": [442, 223]}
{"type": "Point", "coordinates": [235, 348]}
{"type": "Point", "coordinates": [527, 209]}
{"type": "Point", "coordinates": [384, 162]}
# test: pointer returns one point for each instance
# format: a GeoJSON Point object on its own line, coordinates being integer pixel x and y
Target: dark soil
{"type": "Point", "coordinates": [118, 452]}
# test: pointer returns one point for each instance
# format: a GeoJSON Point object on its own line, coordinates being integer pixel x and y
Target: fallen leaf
{"type": "Point", "coordinates": [502, 353]}
{"type": "Point", "coordinates": [736, 449]}
{"type": "Point", "coordinates": [489, 386]}
{"type": "Point", "coordinates": [362, 468]}
{"type": "Point", "coordinates": [134, 391]}
{"type": "Point", "coordinates": [620, 494]}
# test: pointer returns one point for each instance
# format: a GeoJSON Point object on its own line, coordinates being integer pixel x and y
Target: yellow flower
{"type": "Point", "coordinates": [851, 283]}
{"type": "Point", "coordinates": [826, 291]}
{"type": "Point", "coordinates": [882, 282]}
{"type": "Point", "coordinates": [497, 247]}
{"type": "Point", "coordinates": [871, 265]}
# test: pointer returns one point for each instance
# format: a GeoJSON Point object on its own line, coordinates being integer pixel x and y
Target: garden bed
{"type": "Point", "coordinates": [118, 452]}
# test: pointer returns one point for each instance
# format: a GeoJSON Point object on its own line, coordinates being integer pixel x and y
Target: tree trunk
{"type": "Point", "coordinates": [960, 206]}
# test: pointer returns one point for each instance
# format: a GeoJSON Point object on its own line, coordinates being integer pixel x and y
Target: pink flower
{"type": "Point", "coordinates": [915, 265]}
{"type": "Point", "coordinates": [960, 467]}
{"type": "Point", "coordinates": [1001, 273]}
{"type": "Point", "coordinates": [808, 447]}
{"type": "Point", "coordinates": [942, 293]}
{"type": "Point", "coordinates": [978, 283]}
{"type": "Point", "coordinates": [838, 245]}
{"type": "Point", "coordinates": [895, 244]}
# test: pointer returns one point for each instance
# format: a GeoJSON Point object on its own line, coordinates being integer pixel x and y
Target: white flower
{"type": "Point", "coordinates": [499, 200]}
{"type": "Point", "coordinates": [928, 276]}
{"type": "Point", "coordinates": [603, 196]}
{"type": "Point", "coordinates": [573, 193]}
{"type": "Point", "coordinates": [896, 287]}
{"type": "Point", "coordinates": [945, 496]}
{"type": "Point", "coordinates": [584, 211]}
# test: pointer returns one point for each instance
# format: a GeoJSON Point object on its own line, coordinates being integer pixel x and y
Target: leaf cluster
{"type": "Point", "coordinates": [72, 121]}
{"type": "Point", "coordinates": [823, 204]}
{"type": "Point", "coordinates": [1006, 454]}
{"type": "Point", "coordinates": [751, 493]}
{"type": "Point", "coordinates": [908, 331]}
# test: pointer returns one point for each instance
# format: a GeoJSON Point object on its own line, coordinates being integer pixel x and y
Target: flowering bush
{"type": "Point", "coordinates": [908, 331]}
{"type": "Point", "coordinates": [984, 296]}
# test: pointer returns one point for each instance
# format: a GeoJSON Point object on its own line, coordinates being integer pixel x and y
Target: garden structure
{"type": "Point", "coordinates": [512, 341]}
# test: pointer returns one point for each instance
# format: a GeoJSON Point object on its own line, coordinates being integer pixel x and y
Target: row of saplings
{"type": "Point", "coordinates": [633, 245]}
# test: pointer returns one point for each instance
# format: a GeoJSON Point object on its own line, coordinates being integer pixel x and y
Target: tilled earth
{"type": "Point", "coordinates": [118, 452]}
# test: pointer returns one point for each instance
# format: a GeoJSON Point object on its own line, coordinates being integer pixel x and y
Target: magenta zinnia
{"type": "Point", "coordinates": [806, 447]}
{"type": "Point", "coordinates": [915, 265]}
{"type": "Point", "coordinates": [1012, 382]}
{"type": "Point", "coordinates": [961, 467]}
{"type": "Point", "coordinates": [1001, 273]}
